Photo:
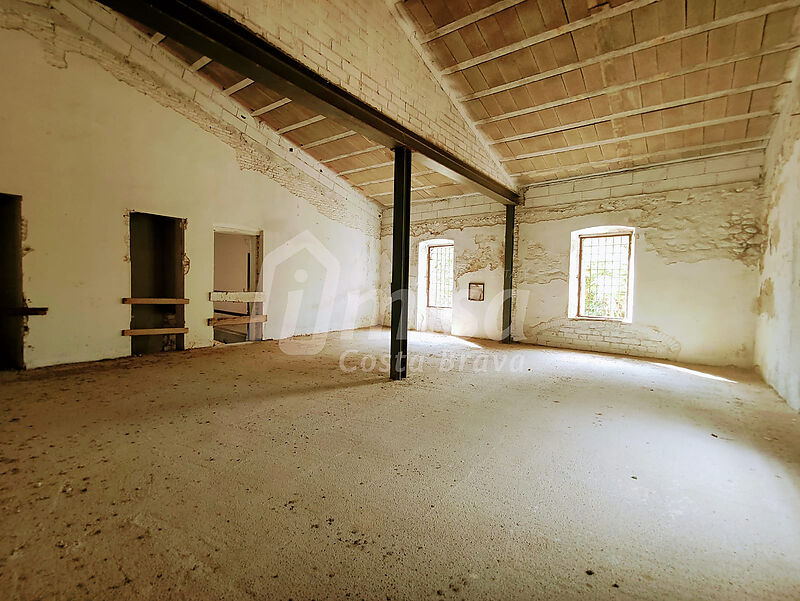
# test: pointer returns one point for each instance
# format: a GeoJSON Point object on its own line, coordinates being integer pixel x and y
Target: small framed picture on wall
{"type": "Point", "coordinates": [475, 291]}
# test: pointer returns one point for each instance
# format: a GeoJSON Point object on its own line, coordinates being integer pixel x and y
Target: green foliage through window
{"type": "Point", "coordinates": [604, 271]}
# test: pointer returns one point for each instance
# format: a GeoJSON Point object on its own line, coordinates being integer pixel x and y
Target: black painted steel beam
{"type": "Point", "coordinates": [508, 270]}
{"type": "Point", "coordinates": [223, 39]}
{"type": "Point", "coordinates": [401, 232]}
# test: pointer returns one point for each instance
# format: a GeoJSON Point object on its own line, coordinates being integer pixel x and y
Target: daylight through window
{"type": "Point", "coordinates": [604, 275]}
{"type": "Point", "coordinates": [440, 276]}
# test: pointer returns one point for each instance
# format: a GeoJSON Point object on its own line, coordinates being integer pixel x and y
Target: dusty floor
{"type": "Point", "coordinates": [244, 472]}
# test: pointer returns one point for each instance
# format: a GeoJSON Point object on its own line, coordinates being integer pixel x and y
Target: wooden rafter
{"type": "Point", "coordinates": [700, 148]}
{"type": "Point", "coordinates": [640, 135]}
{"type": "Point", "coordinates": [199, 63]}
{"type": "Point", "coordinates": [329, 139]}
{"type": "Point", "coordinates": [413, 189]}
{"type": "Point", "coordinates": [615, 54]}
{"type": "Point", "coordinates": [490, 10]}
{"type": "Point", "coordinates": [389, 179]}
{"type": "Point", "coordinates": [355, 153]}
{"type": "Point", "coordinates": [270, 107]}
{"type": "Point", "coordinates": [642, 111]}
{"type": "Point", "coordinates": [237, 86]}
{"type": "Point", "coordinates": [294, 126]}
{"type": "Point", "coordinates": [548, 35]}
{"type": "Point", "coordinates": [640, 82]}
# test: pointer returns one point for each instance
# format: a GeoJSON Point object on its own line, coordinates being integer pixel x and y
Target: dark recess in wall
{"type": "Point", "coordinates": [11, 298]}
{"type": "Point", "coordinates": [156, 272]}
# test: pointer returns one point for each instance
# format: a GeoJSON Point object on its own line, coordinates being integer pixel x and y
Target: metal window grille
{"type": "Point", "coordinates": [603, 279]}
{"type": "Point", "coordinates": [440, 276]}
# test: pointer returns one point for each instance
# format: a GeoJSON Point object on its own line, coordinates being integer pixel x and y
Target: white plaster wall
{"type": "Point", "coordinates": [478, 257]}
{"type": "Point", "coordinates": [699, 228]}
{"type": "Point", "coordinates": [778, 332]}
{"type": "Point", "coordinates": [696, 312]}
{"type": "Point", "coordinates": [84, 149]}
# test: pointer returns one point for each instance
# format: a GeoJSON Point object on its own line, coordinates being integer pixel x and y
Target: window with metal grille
{"type": "Point", "coordinates": [603, 280]}
{"type": "Point", "coordinates": [440, 276]}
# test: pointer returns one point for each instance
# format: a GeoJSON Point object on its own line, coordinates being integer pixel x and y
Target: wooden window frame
{"type": "Point", "coordinates": [428, 282]}
{"type": "Point", "coordinates": [581, 237]}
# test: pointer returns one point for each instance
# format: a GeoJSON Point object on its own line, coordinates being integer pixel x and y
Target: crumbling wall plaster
{"type": "Point", "coordinates": [699, 243]}
{"type": "Point", "coordinates": [478, 257]}
{"type": "Point", "coordinates": [725, 222]}
{"type": "Point", "coordinates": [778, 330]}
{"type": "Point", "coordinates": [86, 144]}
{"type": "Point", "coordinates": [130, 57]}
{"type": "Point", "coordinates": [696, 259]}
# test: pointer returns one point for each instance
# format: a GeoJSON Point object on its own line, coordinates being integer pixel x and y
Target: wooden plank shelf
{"type": "Point", "coordinates": [155, 301]}
{"type": "Point", "coordinates": [154, 331]}
{"type": "Point", "coordinates": [236, 297]}
{"type": "Point", "coordinates": [231, 321]}
{"type": "Point", "coordinates": [23, 311]}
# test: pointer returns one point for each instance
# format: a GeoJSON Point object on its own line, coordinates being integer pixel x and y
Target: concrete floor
{"type": "Point", "coordinates": [246, 473]}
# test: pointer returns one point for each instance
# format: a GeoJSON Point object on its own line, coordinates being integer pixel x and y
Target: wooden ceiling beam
{"type": "Point", "coordinates": [237, 86]}
{"type": "Point", "coordinates": [639, 82]}
{"type": "Point", "coordinates": [367, 168]}
{"type": "Point", "coordinates": [760, 141]}
{"type": "Point", "coordinates": [391, 179]}
{"type": "Point", "coordinates": [210, 32]}
{"type": "Point", "coordinates": [199, 63]}
{"type": "Point", "coordinates": [299, 124]}
{"type": "Point", "coordinates": [641, 111]}
{"type": "Point", "coordinates": [391, 192]}
{"type": "Point", "coordinates": [328, 140]}
{"type": "Point", "coordinates": [270, 107]}
{"type": "Point", "coordinates": [450, 197]}
{"type": "Point", "coordinates": [614, 54]}
{"type": "Point", "coordinates": [638, 136]}
{"type": "Point", "coordinates": [468, 20]}
{"type": "Point", "coordinates": [355, 153]}
{"type": "Point", "coordinates": [548, 35]}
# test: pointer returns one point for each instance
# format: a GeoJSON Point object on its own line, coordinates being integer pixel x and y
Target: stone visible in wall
{"type": "Point", "coordinates": [540, 266]}
{"type": "Point", "coordinates": [432, 228]}
{"type": "Point", "coordinates": [606, 336]}
{"type": "Point", "coordinates": [707, 223]}
{"type": "Point", "coordinates": [487, 255]}
{"type": "Point", "coordinates": [59, 37]}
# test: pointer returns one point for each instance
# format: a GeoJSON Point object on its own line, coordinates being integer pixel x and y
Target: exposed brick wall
{"type": "Point", "coordinates": [678, 177]}
{"type": "Point", "coordinates": [455, 212]}
{"type": "Point", "coordinates": [360, 46]}
{"type": "Point", "coordinates": [604, 336]}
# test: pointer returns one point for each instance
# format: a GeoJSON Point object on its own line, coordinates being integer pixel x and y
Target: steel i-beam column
{"type": "Point", "coordinates": [401, 228]}
{"type": "Point", "coordinates": [507, 272]}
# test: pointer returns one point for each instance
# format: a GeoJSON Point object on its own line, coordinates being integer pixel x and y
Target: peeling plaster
{"type": "Point", "coordinates": [59, 37]}
{"type": "Point", "coordinates": [487, 255]}
{"type": "Point", "coordinates": [707, 224]}
{"type": "Point", "coordinates": [765, 303]}
{"type": "Point", "coordinates": [542, 266]}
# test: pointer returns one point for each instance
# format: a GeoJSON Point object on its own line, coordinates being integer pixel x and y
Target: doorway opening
{"type": "Point", "coordinates": [157, 283]}
{"type": "Point", "coordinates": [12, 319]}
{"type": "Point", "coordinates": [237, 302]}
{"type": "Point", "coordinates": [436, 285]}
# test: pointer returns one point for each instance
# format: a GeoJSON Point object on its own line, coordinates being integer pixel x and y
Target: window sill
{"type": "Point", "coordinates": [610, 319]}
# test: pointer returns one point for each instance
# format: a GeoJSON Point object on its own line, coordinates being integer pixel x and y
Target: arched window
{"type": "Point", "coordinates": [601, 273]}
